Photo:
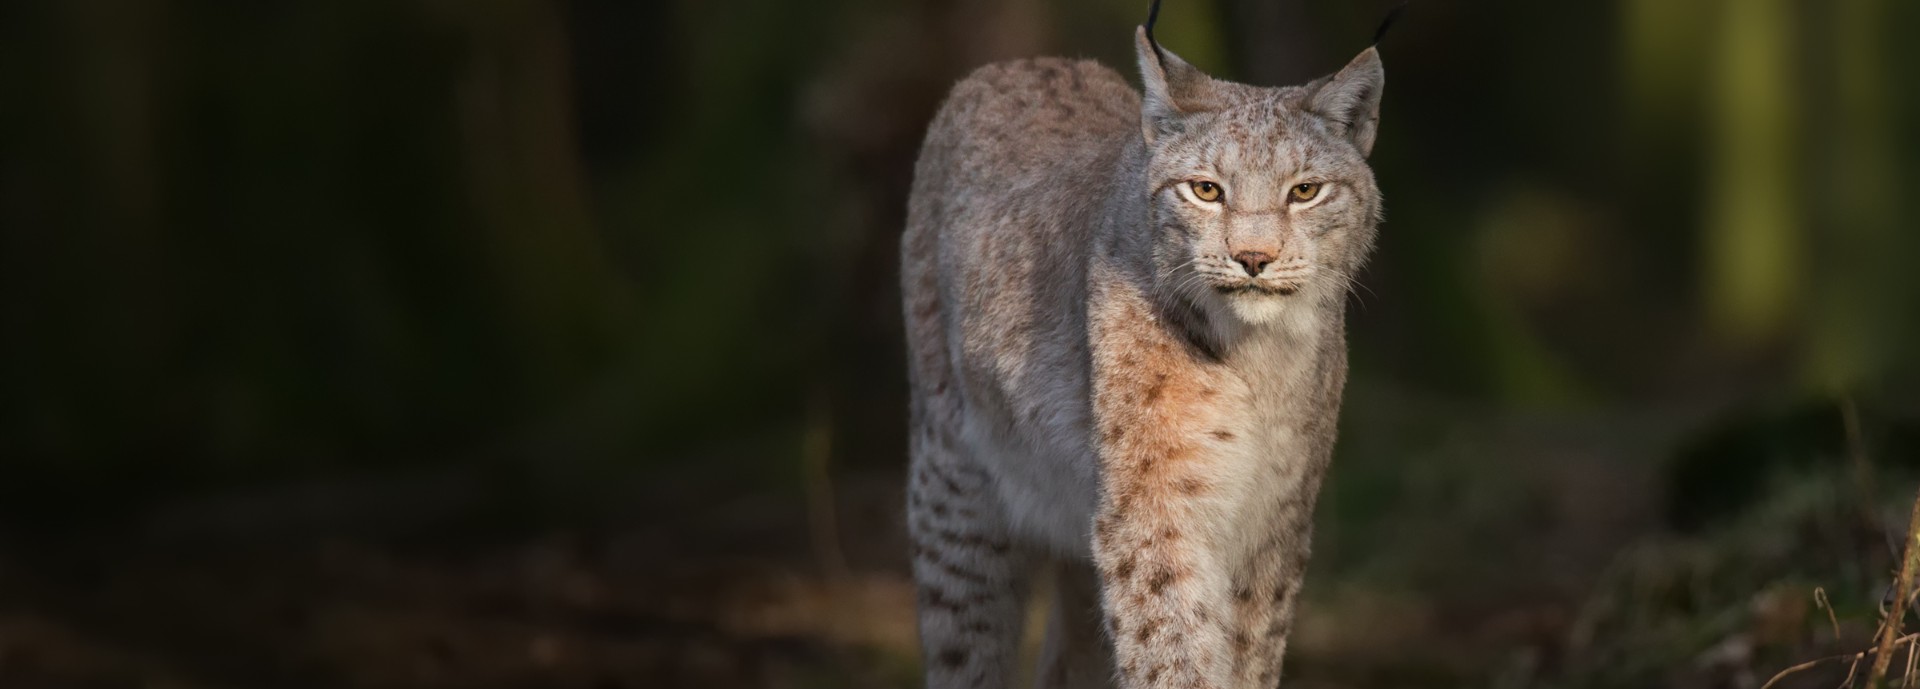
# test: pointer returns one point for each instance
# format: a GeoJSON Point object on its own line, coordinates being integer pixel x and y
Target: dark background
{"type": "Point", "coordinates": [376, 343]}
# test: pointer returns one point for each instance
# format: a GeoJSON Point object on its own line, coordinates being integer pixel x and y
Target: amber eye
{"type": "Point", "coordinates": [1206, 191]}
{"type": "Point", "coordinates": [1303, 193]}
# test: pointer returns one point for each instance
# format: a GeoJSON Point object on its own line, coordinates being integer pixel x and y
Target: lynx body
{"type": "Point", "coordinates": [1125, 319]}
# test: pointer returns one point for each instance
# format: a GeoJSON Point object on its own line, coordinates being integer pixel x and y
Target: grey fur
{"type": "Point", "coordinates": [1097, 381]}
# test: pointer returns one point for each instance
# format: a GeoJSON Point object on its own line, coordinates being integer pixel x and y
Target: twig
{"type": "Point", "coordinates": [1820, 599]}
{"type": "Point", "coordinates": [817, 454]}
{"type": "Point", "coordinates": [1903, 589]}
{"type": "Point", "coordinates": [1855, 657]}
{"type": "Point", "coordinates": [1857, 452]}
{"type": "Point", "coordinates": [1906, 678]}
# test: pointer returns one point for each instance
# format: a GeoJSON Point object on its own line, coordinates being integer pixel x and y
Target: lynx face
{"type": "Point", "coordinates": [1262, 205]}
{"type": "Point", "coordinates": [1262, 197]}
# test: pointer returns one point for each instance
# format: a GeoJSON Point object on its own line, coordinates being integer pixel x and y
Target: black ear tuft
{"type": "Point", "coordinates": [1393, 15]}
{"type": "Point", "coordinates": [1153, 15]}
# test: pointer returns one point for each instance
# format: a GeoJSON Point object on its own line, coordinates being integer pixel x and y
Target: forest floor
{"type": "Point", "coordinates": [1474, 574]}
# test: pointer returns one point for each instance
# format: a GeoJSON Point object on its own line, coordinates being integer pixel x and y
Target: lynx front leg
{"type": "Point", "coordinates": [1161, 525]}
{"type": "Point", "coordinates": [1264, 597]}
{"type": "Point", "coordinates": [1164, 594]}
{"type": "Point", "coordinates": [1165, 523]}
{"type": "Point", "coordinates": [1266, 588]}
{"type": "Point", "coordinates": [972, 580]}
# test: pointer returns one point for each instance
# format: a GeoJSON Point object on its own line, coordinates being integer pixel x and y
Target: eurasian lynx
{"type": "Point", "coordinates": [1126, 326]}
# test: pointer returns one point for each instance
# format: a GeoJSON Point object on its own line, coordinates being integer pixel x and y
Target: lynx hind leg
{"type": "Point", "coordinates": [1077, 654]}
{"type": "Point", "coordinates": [972, 580]}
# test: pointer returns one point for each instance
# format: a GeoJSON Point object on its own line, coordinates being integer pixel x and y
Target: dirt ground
{"type": "Point", "coordinates": [363, 587]}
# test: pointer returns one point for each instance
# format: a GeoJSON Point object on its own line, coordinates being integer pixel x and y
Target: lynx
{"type": "Point", "coordinates": [1126, 331]}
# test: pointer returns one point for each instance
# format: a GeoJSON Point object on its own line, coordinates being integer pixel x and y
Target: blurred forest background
{"type": "Point", "coordinates": [555, 343]}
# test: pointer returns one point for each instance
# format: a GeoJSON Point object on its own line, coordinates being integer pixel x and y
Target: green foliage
{"type": "Point", "coordinates": [320, 237]}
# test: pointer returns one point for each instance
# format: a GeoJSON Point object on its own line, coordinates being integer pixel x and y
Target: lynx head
{"type": "Point", "coordinates": [1261, 198]}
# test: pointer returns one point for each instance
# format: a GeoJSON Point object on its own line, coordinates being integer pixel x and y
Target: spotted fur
{"type": "Point", "coordinates": [1102, 383]}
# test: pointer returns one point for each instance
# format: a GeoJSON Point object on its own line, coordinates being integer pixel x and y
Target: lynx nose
{"type": "Point", "coordinates": [1253, 261]}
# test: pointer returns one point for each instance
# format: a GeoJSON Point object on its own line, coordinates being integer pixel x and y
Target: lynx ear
{"type": "Point", "coordinates": [1173, 87]}
{"type": "Point", "coordinates": [1350, 99]}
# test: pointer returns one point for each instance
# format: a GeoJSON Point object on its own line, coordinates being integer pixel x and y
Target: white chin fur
{"type": "Point", "coordinates": [1293, 314]}
{"type": "Point", "coordinates": [1257, 309]}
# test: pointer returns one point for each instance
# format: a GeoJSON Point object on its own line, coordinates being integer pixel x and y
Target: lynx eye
{"type": "Point", "coordinates": [1303, 193]}
{"type": "Point", "coordinates": [1206, 191]}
